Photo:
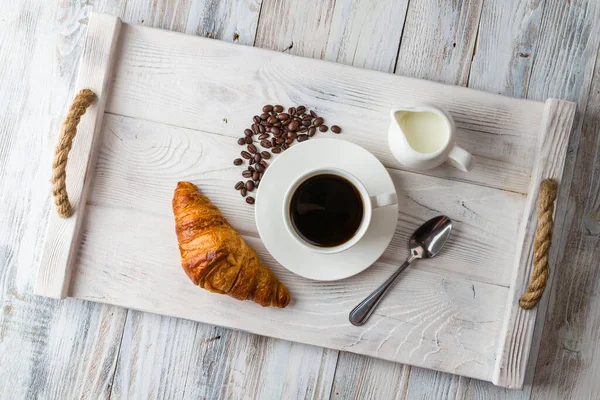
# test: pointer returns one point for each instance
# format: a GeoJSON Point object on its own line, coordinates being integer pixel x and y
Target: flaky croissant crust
{"type": "Point", "coordinates": [216, 257]}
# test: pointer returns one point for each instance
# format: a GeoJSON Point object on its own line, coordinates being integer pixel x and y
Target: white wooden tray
{"type": "Point", "coordinates": [171, 107]}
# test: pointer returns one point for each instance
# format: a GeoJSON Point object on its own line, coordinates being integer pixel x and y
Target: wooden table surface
{"type": "Point", "coordinates": [75, 349]}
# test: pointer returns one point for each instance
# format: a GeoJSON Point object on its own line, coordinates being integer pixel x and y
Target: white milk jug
{"type": "Point", "coordinates": [422, 137]}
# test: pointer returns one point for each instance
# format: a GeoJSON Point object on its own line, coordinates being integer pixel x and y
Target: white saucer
{"type": "Point", "coordinates": [291, 164]}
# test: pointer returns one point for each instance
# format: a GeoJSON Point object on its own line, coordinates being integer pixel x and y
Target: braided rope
{"type": "Point", "coordinates": [80, 103]}
{"type": "Point", "coordinates": [541, 246]}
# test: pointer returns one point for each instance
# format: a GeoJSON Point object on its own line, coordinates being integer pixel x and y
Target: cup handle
{"type": "Point", "coordinates": [383, 200]}
{"type": "Point", "coordinates": [461, 159]}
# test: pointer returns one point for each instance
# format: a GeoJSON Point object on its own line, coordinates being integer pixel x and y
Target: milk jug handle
{"type": "Point", "coordinates": [461, 159]}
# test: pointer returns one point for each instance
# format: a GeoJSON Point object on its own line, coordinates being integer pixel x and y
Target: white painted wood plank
{"type": "Point", "coordinates": [144, 160]}
{"type": "Point", "coordinates": [164, 14]}
{"type": "Point", "coordinates": [361, 33]}
{"type": "Point", "coordinates": [516, 340]}
{"type": "Point", "coordinates": [437, 328]}
{"type": "Point", "coordinates": [94, 73]}
{"type": "Point", "coordinates": [360, 377]}
{"type": "Point", "coordinates": [568, 363]}
{"type": "Point", "coordinates": [506, 41]}
{"type": "Point", "coordinates": [498, 130]}
{"type": "Point", "coordinates": [438, 40]}
{"type": "Point", "coordinates": [49, 349]}
{"type": "Point", "coordinates": [230, 20]}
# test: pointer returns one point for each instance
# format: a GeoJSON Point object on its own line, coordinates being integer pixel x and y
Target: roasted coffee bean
{"type": "Point", "coordinates": [306, 116]}
{"type": "Point", "coordinates": [289, 141]}
{"type": "Point", "coordinates": [318, 122]}
{"type": "Point", "coordinates": [261, 129]}
{"type": "Point", "coordinates": [279, 140]}
{"type": "Point", "coordinates": [266, 155]}
{"type": "Point", "coordinates": [283, 148]}
{"type": "Point", "coordinates": [251, 169]}
{"type": "Point", "coordinates": [323, 128]}
{"type": "Point", "coordinates": [335, 129]}
{"type": "Point", "coordinates": [249, 186]}
{"type": "Point", "coordinates": [250, 200]}
{"type": "Point", "coordinates": [311, 131]}
{"type": "Point", "coordinates": [247, 174]}
{"type": "Point", "coordinates": [243, 191]}
{"type": "Point", "coordinates": [273, 142]}
{"type": "Point", "coordinates": [300, 109]}
{"type": "Point", "coordinates": [303, 129]}
{"type": "Point", "coordinates": [251, 161]}
{"type": "Point", "coordinates": [256, 119]}
{"type": "Point", "coordinates": [302, 138]}
{"type": "Point", "coordinates": [248, 140]}
{"type": "Point", "coordinates": [268, 108]}
{"type": "Point", "coordinates": [275, 130]}
{"type": "Point", "coordinates": [314, 114]}
{"type": "Point", "coordinates": [238, 161]}
{"type": "Point", "coordinates": [292, 110]}
{"type": "Point", "coordinates": [283, 116]}
{"type": "Point", "coordinates": [252, 149]}
{"type": "Point", "coordinates": [256, 184]}
{"type": "Point", "coordinates": [277, 124]}
{"type": "Point", "coordinates": [306, 122]}
{"type": "Point", "coordinates": [260, 168]}
{"type": "Point", "coordinates": [276, 150]}
{"type": "Point", "coordinates": [266, 144]}
{"type": "Point", "coordinates": [278, 108]}
{"type": "Point", "coordinates": [264, 116]}
{"type": "Point", "coordinates": [271, 120]}
{"type": "Point", "coordinates": [248, 132]}
{"type": "Point", "coordinates": [293, 126]}
{"type": "Point", "coordinates": [255, 128]}
{"type": "Point", "coordinates": [246, 155]}
{"type": "Point", "coordinates": [256, 175]}
{"type": "Point", "coordinates": [291, 135]}
{"type": "Point", "coordinates": [264, 164]}
{"type": "Point", "coordinates": [239, 185]}
{"type": "Point", "coordinates": [257, 157]}
{"type": "Point", "coordinates": [260, 175]}
{"type": "Point", "coordinates": [263, 136]}
{"type": "Point", "coordinates": [242, 141]}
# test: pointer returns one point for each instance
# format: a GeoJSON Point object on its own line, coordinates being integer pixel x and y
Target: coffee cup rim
{"type": "Point", "coordinates": [365, 198]}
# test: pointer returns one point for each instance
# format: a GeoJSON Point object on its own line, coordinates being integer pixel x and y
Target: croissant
{"type": "Point", "coordinates": [216, 257]}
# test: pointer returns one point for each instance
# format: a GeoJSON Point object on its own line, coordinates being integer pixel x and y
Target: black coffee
{"type": "Point", "coordinates": [326, 210]}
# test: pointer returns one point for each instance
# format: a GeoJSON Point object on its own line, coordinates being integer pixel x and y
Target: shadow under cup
{"type": "Point", "coordinates": [327, 210]}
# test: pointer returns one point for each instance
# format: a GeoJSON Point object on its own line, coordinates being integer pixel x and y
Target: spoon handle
{"type": "Point", "coordinates": [363, 311]}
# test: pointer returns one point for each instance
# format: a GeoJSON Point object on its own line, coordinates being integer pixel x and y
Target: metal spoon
{"type": "Point", "coordinates": [426, 242]}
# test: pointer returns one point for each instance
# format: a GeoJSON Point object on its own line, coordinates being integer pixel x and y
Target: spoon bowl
{"type": "Point", "coordinates": [425, 242]}
{"type": "Point", "coordinates": [429, 238]}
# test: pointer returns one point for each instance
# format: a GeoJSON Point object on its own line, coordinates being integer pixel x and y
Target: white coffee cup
{"type": "Point", "coordinates": [370, 202]}
{"type": "Point", "coordinates": [422, 137]}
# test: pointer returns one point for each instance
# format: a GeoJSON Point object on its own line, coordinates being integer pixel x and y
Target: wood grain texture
{"type": "Point", "coordinates": [228, 20]}
{"type": "Point", "coordinates": [515, 341]}
{"type": "Point", "coordinates": [31, 117]}
{"type": "Point", "coordinates": [152, 167]}
{"type": "Point", "coordinates": [501, 141]}
{"type": "Point", "coordinates": [566, 365]}
{"type": "Point", "coordinates": [506, 44]}
{"type": "Point", "coordinates": [438, 40]}
{"type": "Point", "coordinates": [360, 377]}
{"type": "Point", "coordinates": [94, 73]}
{"type": "Point", "coordinates": [49, 349]}
{"type": "Point", "coordinates": [152, 156]}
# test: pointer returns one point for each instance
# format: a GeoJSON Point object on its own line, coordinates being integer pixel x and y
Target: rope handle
{"type": "Point", "coordinates": [541, 245]}
{"type": "Point", "coordinates": [80, 103]}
